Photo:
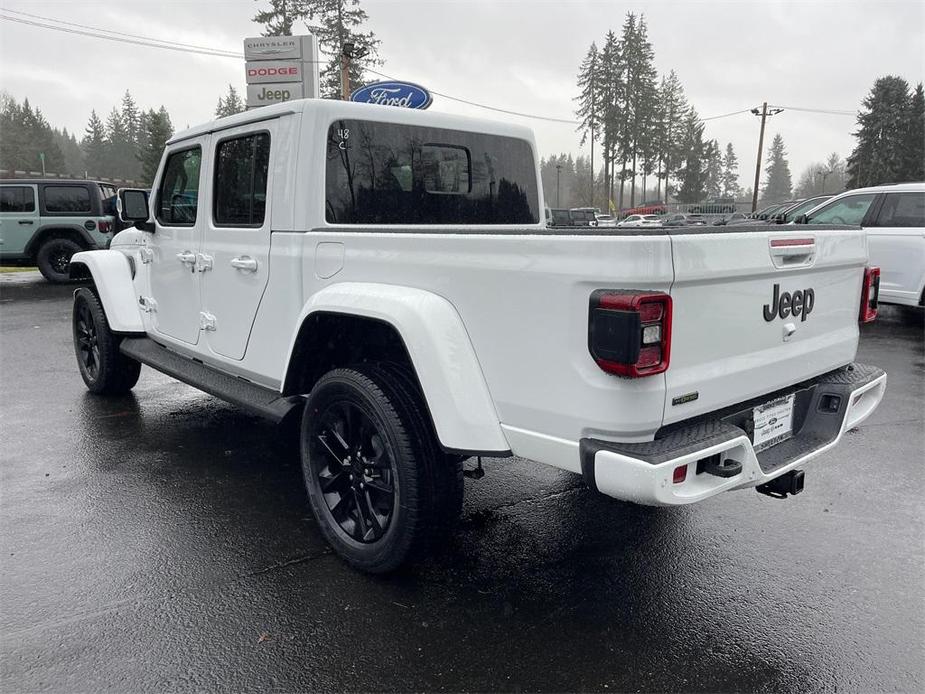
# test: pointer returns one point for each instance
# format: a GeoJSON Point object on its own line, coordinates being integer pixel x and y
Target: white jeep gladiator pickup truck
{"type": "Point", "coordinates": [384, 279]}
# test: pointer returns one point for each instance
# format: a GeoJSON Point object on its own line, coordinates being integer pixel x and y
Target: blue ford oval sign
{"type": "Point", "coordinates": [403, 94]}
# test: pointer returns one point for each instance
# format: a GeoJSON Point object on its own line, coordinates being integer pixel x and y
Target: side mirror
{"type": "Point", "coordinates": [802, 219]}
{"type": "Point", "coordinates": [133, 205]}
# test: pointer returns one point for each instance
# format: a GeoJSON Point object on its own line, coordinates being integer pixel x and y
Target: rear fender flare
{"type": "Point", "coordinates": [112, 276]}
{"type": "Point", "coordinates": [441, 353]}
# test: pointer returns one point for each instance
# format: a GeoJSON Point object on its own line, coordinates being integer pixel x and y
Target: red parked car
{"type": "Point", "coordinates": [650, 207]}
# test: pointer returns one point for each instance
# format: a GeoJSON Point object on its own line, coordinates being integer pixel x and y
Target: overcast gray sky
{"type": "Point", "coordinates": [517, 55]}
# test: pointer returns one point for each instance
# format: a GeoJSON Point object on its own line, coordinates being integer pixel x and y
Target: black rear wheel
{"type": "Point", "coordinates": [104, 369]}
{"type": "Point", "coordinates": [54, 257]}
{"type": "Point", "coordinates": [372, 469]}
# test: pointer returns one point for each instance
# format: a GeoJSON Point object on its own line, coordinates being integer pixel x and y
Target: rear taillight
{"type": "Point", "coordinates": [870, 295]}
{"type": "Point", "coordinates": [104, 226]}
{"type": "Point", "coordinates": [629, 332]}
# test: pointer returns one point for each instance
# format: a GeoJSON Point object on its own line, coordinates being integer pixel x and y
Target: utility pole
{"type": "Point", "coordinates": [764, 113]}
{"type": "Point", "coordinates": [346, 54]}
{"type": "Point", "coordinates": [558, 170]}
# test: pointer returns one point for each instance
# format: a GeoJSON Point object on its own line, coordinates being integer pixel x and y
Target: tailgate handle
{"type": "Point", "coordinates": [789, 252]}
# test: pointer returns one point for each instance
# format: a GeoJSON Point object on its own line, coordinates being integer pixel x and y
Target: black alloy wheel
{"type": "Point", "coordinates": [103, 367]}
{"type": "Point", "coordinates": [354, 470]}
{"type": "Point", "coordinates": [86, 340]}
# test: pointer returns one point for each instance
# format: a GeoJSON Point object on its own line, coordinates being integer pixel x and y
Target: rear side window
{"type": "Point", "coordinates": [17, 199]}
{"type": "Point", "coordinates": [902, 210]}
{"type": "Point", "coordinates": [74, 199]}
{"type": "Point", "coordinates": [847, 210]}
{"type": "Point", "coordinates": [241, 167]}
{"type": "Point", "coordinates": [178, 196]}
{"type": "Point", "coordinates": [387, 173]}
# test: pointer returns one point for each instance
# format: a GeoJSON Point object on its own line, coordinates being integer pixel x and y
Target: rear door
{"type": "Point", "coordinates": [758, 310]}
{"type": "Point", "coordinates": [236, 244]}
{"type": "Point", "coordinates": [19, 218]}
{"type": "Point", "coordinates": [896, 242]}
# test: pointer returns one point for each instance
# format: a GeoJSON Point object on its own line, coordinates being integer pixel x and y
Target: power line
{"type": "Point", "coordinates": [726, 115]}
{"type": "Point", "coordinates": [122, 33]}
{"type": "Point", "coordinates": [819, 110]}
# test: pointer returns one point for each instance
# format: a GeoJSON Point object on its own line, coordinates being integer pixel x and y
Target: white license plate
{"type": "Point", "coordinates": [773, 422]}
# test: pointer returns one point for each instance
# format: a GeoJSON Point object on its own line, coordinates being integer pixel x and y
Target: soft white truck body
{"type": "Point", "coordinates": [495, 317]}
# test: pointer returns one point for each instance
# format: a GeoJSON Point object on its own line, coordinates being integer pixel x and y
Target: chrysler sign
{"type": "Point", "coordinates": [280, 68]}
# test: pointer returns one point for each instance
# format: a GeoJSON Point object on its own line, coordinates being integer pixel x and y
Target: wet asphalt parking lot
{"type": "Point", "coordinates": [163, 542]}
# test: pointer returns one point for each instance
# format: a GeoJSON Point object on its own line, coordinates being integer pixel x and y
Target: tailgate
{"type": "Point", "coordinates": [734, 333]}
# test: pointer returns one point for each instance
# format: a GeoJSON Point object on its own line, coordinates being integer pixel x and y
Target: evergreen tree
{"type": "Point", "coordinates": [914, 164]}
{"type": "Point", "coordinates": [120, 150]}
{"type": "Point", "coordinates": [611, 104]}
{"type": "Point", "coordinates": [334, 24]}
{"type": "Point", "coordinates": [691, 175]}
{"type": "Point", "coordinates": [230, 104]}
{"type": "Point", "coordinates": [640, 61]}
{"type": "Point", "coordinates": [777, 184]}
{"type": "Point", "coordinates": [73, 156]}
{"type": "Point", "coordinates": [673, 104]}
{"type": "Point", "coordinates": [278, 19]}
{"type": "Point", "coordinates": [880, 155]}
{"type": "Point", "coordinates": [713, 169]}
{"type": "Point", "coordinates": [94, 146]}
{"type": "Point", "coordinates": [131, 120]}
{"type": "Point", "coordinates": [156, 130]}
{"type": "Point", "coordinates": [590, 110]}
{"type": "Point", "coordinates": [730, 177]}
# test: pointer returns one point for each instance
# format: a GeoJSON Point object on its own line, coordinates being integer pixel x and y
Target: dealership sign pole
{"type": "Point", "coordinates": [280, 68]}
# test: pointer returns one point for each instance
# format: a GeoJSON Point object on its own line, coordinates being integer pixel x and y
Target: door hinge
{"type": "Point", "coordinates": [147, 255]}
{"type": "Point", "coordinates": [206, 321]}
{"type": "Point", "coordinates": [147, 303]}
{"type": "Point", "coordinates": [203, 262]}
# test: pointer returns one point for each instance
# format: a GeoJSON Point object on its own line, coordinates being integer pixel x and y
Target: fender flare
{"type": "Point", "coordinates": [441, 353]}
{"type": "Point", "coordinates": [49, 229]}
{"type": "Point", "coordinates": [112, 275]}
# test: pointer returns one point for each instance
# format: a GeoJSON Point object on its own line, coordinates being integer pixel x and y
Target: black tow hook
{"type": "Point", "coordinates": [789, 483]}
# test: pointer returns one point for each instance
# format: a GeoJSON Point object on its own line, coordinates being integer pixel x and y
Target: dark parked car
{"type": "Point", "coordinates": [715, 206]}
{"type": "Point", "coordinates": [46, 221]}
{"type": "Point", "coordinates": [735, 219]}
{"type": "Point", "coordinates": [684, 220]}
{"type": "Point", "coordinates": [790, 214]}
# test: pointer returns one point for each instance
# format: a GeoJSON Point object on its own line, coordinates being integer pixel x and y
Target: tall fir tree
{"type": "Point", "coordinates": [691, 178]}
{"type": "Point", "coordinates": [730, 178]}
{"type": "Point", "coordinates": [334, 24]}
{"type": "Point", "coordinates": [156, 130]}
{"type": "Point", "coordinates": [94, 146]}
{"type": "Point", "coordinates": [778, 186]}
{"type": "Point", "coordinates": [914, 164]}
{"type": "Point", "coordinates": [611, 104]}
{"type": "Point", "coordinates": [230, 104]}
{"type": "Point", "coordinates": [712, 169]}
{"type": "Point", "coordinates": [880, 155]}
{"type": "Point", "coordinates": [672, 107]}
{"type": "Point", "coordinates": [590, 111]}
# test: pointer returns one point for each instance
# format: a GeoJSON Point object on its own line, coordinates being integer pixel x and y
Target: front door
{"type": "Point", "coordinates": [894, 241]}
{"type": "Point", "coordinates": [236, 240]}
{"type": "Point", "coordinates": [178, 223]}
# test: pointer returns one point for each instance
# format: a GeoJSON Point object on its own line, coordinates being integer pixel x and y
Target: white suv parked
{"type": "Point", "coordinates": [894, 218]}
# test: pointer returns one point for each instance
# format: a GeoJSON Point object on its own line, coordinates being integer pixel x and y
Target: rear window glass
{"type": "Point", "coordinates": [241, 167]}
{"type": "Point", "coordinates": [67, 199]}
{"type": "Point", "coordinates": [387, 173]}
{"type": "Point", "coordinates": [17, 199]}
{"type": "Point", "coordinates": [902, 210]}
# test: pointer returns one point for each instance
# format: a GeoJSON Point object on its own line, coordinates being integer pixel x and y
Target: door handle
{"type": "Point", "coordinates": [25, 221]}
{"type": "Point", "coordinates": [244, 262]}
{"type": "Point", "coordinates": [186, 257]}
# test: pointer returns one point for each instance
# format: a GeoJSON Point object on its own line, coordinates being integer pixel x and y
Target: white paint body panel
{"type": "Point", "coordinates": [112, 275]}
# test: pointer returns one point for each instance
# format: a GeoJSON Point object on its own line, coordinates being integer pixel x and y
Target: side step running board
{"type": "Point", "coordinates": [258, 400]}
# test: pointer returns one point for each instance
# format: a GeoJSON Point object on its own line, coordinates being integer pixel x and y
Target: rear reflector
{"type": "Point", "coordinates": [870, 295]}
{"type": "Point", "coordinates": [679, 474]}
{"type": "Point", "coordinates": [629, 332]}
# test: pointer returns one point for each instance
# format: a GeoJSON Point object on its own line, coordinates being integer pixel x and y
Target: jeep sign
{"type": "Point", "coordinates": [266, 94]}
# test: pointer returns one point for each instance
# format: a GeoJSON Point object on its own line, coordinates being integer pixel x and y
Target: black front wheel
{"type": "Point", "coordinates": [374, 474]}
{"type": "Point", "coordinates": [104, 369]}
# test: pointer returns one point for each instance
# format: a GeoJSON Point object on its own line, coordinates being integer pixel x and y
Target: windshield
{"type": "Point", "coordinates": [804, 206]}
{"type": "Point", "coordinates": [848, 210]}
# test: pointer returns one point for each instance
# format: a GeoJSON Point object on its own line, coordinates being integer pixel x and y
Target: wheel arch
{"type": "Point", "coordinates": [111, 274]}
{"type": "Point", "coordinates": [53, 231]}
{"type": "Point", "coordinates": [354, 320]}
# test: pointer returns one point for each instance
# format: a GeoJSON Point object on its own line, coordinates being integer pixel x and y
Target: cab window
{"type": "Point", "coordinates": [240, 187]}
{"type": "Point", "coordinates": [902, 210]}
{"type": "Point", "coordinates": [17, 199]}
{"type": "Point", "coordinates": [848, 210]}
{"type": "Point", "coordinates": [178, 195]}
